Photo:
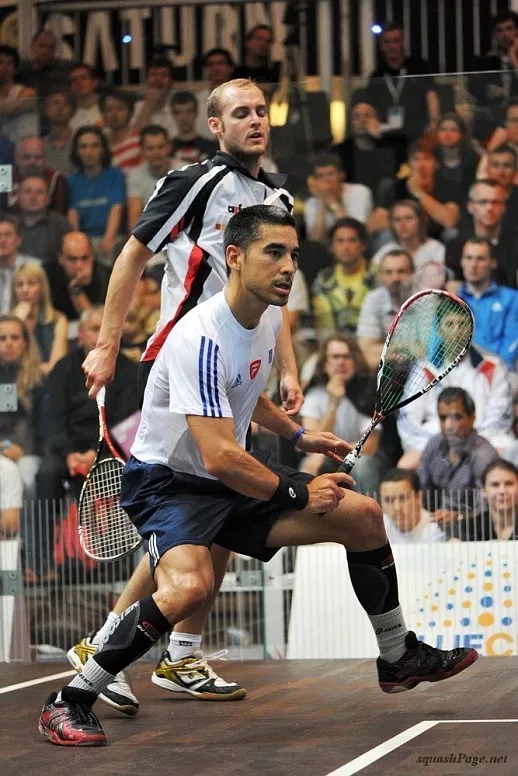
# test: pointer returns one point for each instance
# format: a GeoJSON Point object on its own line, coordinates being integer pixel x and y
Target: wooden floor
{"type": "Point", "coordinates": [306, 718]}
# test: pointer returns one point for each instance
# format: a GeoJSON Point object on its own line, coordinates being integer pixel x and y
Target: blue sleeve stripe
{"type": "Point", "coordinates": [200, 375]}
{"type": "Point", "coordinates": [209, 380]}
{"type": "Point", "coordinates": [216, 391]}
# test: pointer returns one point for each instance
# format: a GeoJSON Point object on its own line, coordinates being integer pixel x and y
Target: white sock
{"type": "Point", "coordinates": [182, 645]}
{"type": "Point", "coordinates": [106, 629]}
{"type": "Point", "coordinates": [390, 630]}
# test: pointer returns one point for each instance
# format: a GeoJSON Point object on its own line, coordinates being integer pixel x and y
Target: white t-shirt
{"type": "Point", "coordinates": [357, 201]}
{"type": "Point", "coordinates": [349, 423]}
{"type": "Point", "coordinates": [209, 366]}
{"type": "Point", "coordinates": [426, 531]}
{"type": "Point", "coordinates": [86, 117]}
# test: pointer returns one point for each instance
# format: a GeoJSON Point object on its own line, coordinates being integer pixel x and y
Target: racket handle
{"type": "Point", "coordinates": [101, 396]}
{"type": "Point", "coordinates": [348, 462]}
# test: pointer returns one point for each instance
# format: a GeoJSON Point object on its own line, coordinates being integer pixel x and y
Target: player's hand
{"type": "Point", "coordinates": [324, 442]}
{"type": "Point", "coordinates": [325, 492]}
{"type": "Point", "coordinates": [291, 395]}
{"type": "Point", "coordinates": [73, 461]}
{"type": "Point", "coordinates": [99, 368]}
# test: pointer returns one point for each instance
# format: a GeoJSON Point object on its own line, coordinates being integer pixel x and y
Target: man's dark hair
{"type": "Point", "coordinates": [184, 98]}
{"type": "Point", "coordinates": [483, 182]}
{"type": "Point", "coordinates": [9, 218]}
{"type": "Point", "coordinates": [160, 61]}
{"type": "Point", "coordinates": [349, 223]}
{"type": "Point", "coordinates": [480, 241]}
{"type": "Point", "coordinates": [326, 160]}
{"type": "Point", "coordinates": [83, 66]}
{"type": "Point", "coordinates": [403, 475]}
{"type": "Point", "coordinates": [449, 395]}
{"type": "Point", "coordinates": [399, 252]}
{"type": "Point", "coordinates": [106, 157]}
{"type": "Point", "coordinates": [220, 52]}
{"type": "Point", "coordinates": [69, 98]}
{"type": "Point", "coordinates": [504, 16]}
{"type": "Point", "coordinates": [152, 130]}
{"type": "Point", "coordinates": [390, 27]}
{"type": "Point", "coordinates": [243, 228]}
{"type": "Point", "coordinates": [251, 32]}
{"type": "Point", "coordinates": [42, 31]}
{"type": "Point", "coordinates": [499, 463]}
{"type": "Point", "coordinates": [117, 94]}
{"type": "Point", "coordinates": [9, 51]}
{"type": "Point", "coordinates": [505, 148]}
{"type": "Point", "coordinates": [39, 175]}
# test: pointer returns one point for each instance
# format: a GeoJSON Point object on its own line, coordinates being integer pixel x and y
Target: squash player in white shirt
{"type": "Point", "coordinates": [190, 482]}
{"type": "Point", "coordinates": [186, 217]}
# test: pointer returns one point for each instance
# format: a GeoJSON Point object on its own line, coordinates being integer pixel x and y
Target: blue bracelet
{"type": "Point", "coordinates": [297, 435]}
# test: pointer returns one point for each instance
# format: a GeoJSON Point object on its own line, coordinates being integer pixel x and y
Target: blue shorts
{"type": "Point", "coordinates": [171, 508]}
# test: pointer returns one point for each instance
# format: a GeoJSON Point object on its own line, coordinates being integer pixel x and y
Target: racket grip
{"type": "Point", "coordinates": [348, 462]}
{"type": "Point", "coordinates": [101, 396]}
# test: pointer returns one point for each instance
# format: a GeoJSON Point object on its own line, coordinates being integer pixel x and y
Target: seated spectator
{"type": "Point", "coordinates": [77, 281]}
{"type": "Point", "coordinates": [42, 229]}
{"type": "Point", "coordinates": [365, 157]}
{"type": "Point", "coordinates": [18, 103]}
{"type": "Point", "coordinates": [187, 146]}
{"type": "Point", "coordinates": [453, 461]}
{"type": "Point", "coordinates": [156, 107]}
{"type": "Point", "coordinates": [32, 305]}
{"type": "Point", "coordinates": [58, 109]}
{"type": "Point", "coordinates": [486, 208]}
{"type": "Point", "coordinates": [218, 68]}
{"type": "Point", "coordinates": [123, 138]}
{"type": "Point", "coordinates": [73, 423]}
{"type": "Point", "coordinates": [493, 81]}
{"type": "Point", "coordinates": [495, 307]}
{"type": "Point", "coordinates": [407, 232]}
{"type": "Point", "coordinates": [11, 498]}
{"type": "Point", "coordinates": [44, 72]}
{"type": "Point", "coordinates": [141, 180]}
{"type": "Point", "coordinates": [486, 378]}
{"type": "Point", "coordinates": [338, 291]}
{"type": "Point", "coordinates": [22, 430]}
{"type": "Point", "coordinates": [83, 85]}
{"type": "Point", "coordinates": [97, 192]}
{"type": "Point", "coordinates": [331, 404]}
{"type": "Point", "coordinates": [498, 518]}
{"type": "Point", "coordinates": [501, 165]}
{"type": "Point", "coordinates": [10, 258]}
{"type": "Point", "coordinates": [406, 522]}
{"type": "Point", "coordinates": [30, 160]}
{"type": "Point", "coordinates": [438, 210]}
{"type": "Point", "coordinates": [256, 63]}
{"type": "Point", "coordinates": [380, 306]}
{"type": "Point", "coordinates": [508, 133]}
{"type": "Point", "coordinates": [402, 103]}
{"type": "Point", "coordinates": [333, 199]}
{"type": "Point", "coordinates": [457, 160]}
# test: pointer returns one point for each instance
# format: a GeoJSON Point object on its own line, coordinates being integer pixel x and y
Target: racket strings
{"type": "Point", "coordinates": [106, 530]}
{"type": "Point", "coordinates": [426, 340]}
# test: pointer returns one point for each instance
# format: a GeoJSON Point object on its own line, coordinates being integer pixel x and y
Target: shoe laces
{"type": "Point", "coordinates": [201, 661]}
{"type": "Point", "coordinates": [81, 713]}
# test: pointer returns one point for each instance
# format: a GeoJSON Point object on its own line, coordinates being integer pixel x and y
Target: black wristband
{"type": "Point", "coordinates": [291, 494]}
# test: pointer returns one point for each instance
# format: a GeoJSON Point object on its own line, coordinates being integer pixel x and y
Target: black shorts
{"type": "Point", "coordinates": [171, 508]}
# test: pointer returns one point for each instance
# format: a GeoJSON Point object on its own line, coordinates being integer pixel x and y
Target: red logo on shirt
{"type": "Point", "coordinates": [254, 368]}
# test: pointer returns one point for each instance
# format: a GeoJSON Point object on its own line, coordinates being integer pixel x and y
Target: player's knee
{"type": "Point", "coordinates": [190, 589]}
{"type": "Point", "coordinates": [372, 518]}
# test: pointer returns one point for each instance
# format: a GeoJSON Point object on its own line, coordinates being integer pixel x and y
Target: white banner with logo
{"type": "Point", "coordinates": [454, 594]}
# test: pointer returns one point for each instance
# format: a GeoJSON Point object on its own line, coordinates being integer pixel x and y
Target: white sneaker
{"type": "Point", "coordinates": [195, 676]}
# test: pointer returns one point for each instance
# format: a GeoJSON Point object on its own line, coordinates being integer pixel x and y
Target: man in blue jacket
{"type": "Point", "coordinates": [495, 307]}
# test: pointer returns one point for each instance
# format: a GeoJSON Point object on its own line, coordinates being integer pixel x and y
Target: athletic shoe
{"type": "Point", "coordinates": [72, 721]}
{"type": "Point", "coordinates": [422, 663]}
{"type": "Point", "coordinates": [119, 693]}
{"type": "Point", "coordinates": [194, 675]}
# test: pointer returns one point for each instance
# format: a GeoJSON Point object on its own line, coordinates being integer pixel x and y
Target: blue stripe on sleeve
{"type": "Point", "coordinates": [209, 380]}
{"type": "Point", "coordinates": [216, 392]}
{"type": "Point", "coordinates": [200, 375]}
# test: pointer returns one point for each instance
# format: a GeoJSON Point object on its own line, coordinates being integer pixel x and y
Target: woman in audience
{"type": "Point", "coordinates": [337, 401]}
{"type": "Point", "coordinates": [96, 192]}
{"type": "Point", "coordinates": [21, 429]}
{"type": "Point", "coordinates": [408, 233]}
{"type": "Point", "coordinates": [33, 306]}
{"type": "Point", "coordinates": [457, 160]}
{"type": "Point", "coordinates": [498, 517]}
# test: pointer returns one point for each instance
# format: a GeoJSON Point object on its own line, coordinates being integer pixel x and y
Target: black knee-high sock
{"type": "Point", "coordinates": [374, 579]}
{"type": "Point", "coordinates": [137, 629]}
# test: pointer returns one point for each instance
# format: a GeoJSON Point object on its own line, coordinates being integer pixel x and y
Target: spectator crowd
{"type": "Point", "coordinates": [423, 192]}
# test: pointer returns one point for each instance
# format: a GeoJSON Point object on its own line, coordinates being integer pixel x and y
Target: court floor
{"type": "Point", "coordinates": [305, 717]}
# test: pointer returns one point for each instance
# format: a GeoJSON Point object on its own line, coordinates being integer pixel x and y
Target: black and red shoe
{"type": "Point", "coordinates": [72, 721]}
{"type": "Point", "coordinates": [422, 663]}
